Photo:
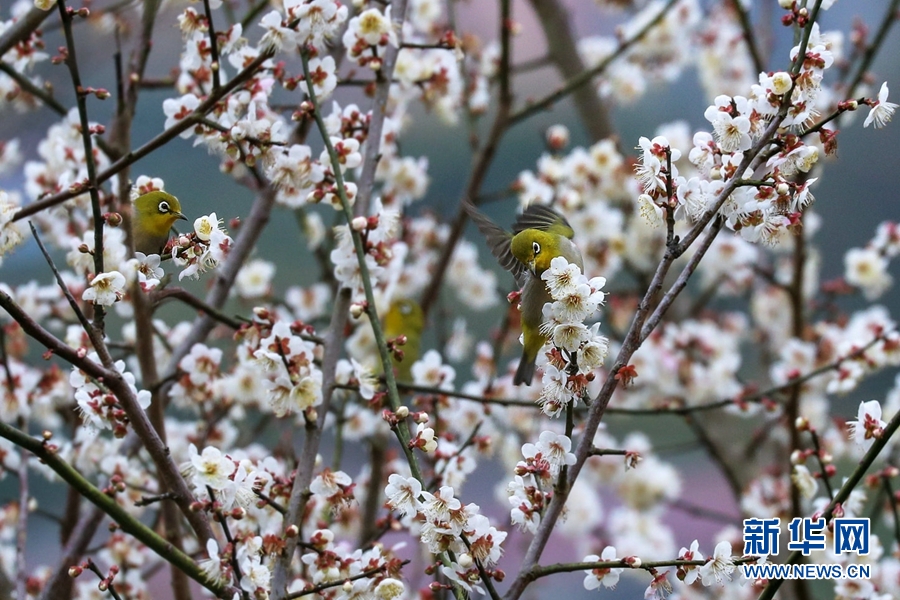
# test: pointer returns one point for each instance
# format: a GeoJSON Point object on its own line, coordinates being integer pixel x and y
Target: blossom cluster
{"type": "Point", "coordinates": [577, 350]}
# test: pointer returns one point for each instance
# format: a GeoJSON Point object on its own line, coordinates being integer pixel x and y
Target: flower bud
{"type": "Point", "coordinates": [359, 223]}
{"type": "Point", "coordinates": [557, 137]}
{"type": "Point", "coordinates": [465, 560]}
{"type": "Point", "coordinates": [781, 82]}
{"type": "Point", "coordinates": [402, 412]}
{"type": "Point", "coordinates": [356, 310]}
{"type": "Point", "coordinates": [75, 571]}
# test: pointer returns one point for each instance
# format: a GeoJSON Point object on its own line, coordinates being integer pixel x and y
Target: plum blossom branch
{"type": "Point", "coordinates": [372, 153]}
{"type": "Point", "coordinates": [563, 54]}
{"type": "Point", "coordinates": [167, 469]}
{"type": "Point", "coordinates": [842, 495]}
{"type": "Point", "coordinates": [332, 584]}
{"type": "Point", "coordinates": [22, 28]}
{"type": "Point", "coordinates": [71, 61]}
{"type": "Point", "coordinates": [154, 144]}
{"type": "Point", "coordinates": [48, 454]}
{"type": "Point", "coordinates": [481, 162]}
{"type": "Point", "coordinates": [213, 46]}
{"type": "Point", "coordinates": [584, 77]}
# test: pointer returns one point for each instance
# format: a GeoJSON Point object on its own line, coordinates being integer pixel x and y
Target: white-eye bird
{"type": "Point", "coordinates": [154, 215]}
{"type": "Point", "coordinates": [539, 235]}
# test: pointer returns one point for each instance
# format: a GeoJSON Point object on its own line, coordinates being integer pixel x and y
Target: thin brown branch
{"type": "Point", "coordinates": [154, 144]}
{"type": "Point", "coordinates": [213, 46]}
{"type": "Point", "coordinates": [481, 163]}
{"type": "Point", "coordinates": [843, 494]}
{"type": "Point", "coordinates": [167, 469]}
{"type": "Point", "coordinates": [177, 293]}
{"type": "Point", "coordinates": [327, 586]}
{"type": "Point", "coordinates": [585, 76]}
{"type": "Point", "coordinates": [562, 50]}
{"type": "Point", "coordinates": [22, 29]}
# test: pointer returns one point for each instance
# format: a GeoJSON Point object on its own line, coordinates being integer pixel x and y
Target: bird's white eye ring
{"type": "Point", "coordinates": [405, 309]}
{"type": "Point", "coordinates": [163, 207]}
{"type": "Point", "coordinates": [536, 248]}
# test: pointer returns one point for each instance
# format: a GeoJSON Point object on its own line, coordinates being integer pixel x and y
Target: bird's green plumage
{"type": "Point", "coordinates": [538, 236]}
{"type": "Point", "coordinates": [405, 317]}
{"type": "Point", "coordinates": [154, 215]}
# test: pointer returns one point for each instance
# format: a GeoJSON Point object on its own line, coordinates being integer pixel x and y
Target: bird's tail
{"type": "Point", "coordinates": [525, 372]}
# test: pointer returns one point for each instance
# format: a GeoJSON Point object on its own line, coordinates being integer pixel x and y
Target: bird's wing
{"type": "Point", "coordinates": [498, 241]}
{"type": "Point", "coordinates": [544, 218]}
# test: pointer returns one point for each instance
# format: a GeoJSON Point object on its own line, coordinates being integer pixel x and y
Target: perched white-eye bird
{"type": "Point", "coordinates": [154, 215]}
{"type": "Point", "coordinates": [539, 235]}
{"type": "Point", "coordinates": [405, 317]}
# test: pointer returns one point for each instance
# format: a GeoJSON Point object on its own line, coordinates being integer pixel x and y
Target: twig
{"type": "Point", "coordinates": [178, 293]}
{"type": "Point", "coordinates": [542, 571]}
{"type": "Point", "coordinates": [890, 17]}
{"type": "Point", "coordinates": [304, 474]}
{"type": "Point", "coordinates": [326, 586]}
{"type": "Point", "coordinates": [110, 587]}
{"type": "Point", "coordinates": [27, 86]}
{"type": "Point", "coordinates": [481, 163]}
{"type": "Point", "coordinates": [562, 49]}
{"type": "Point", "coordinates": [112, 379]}
{"type": "Point", "coordinates": [749, 35]}
{"type": "Point", "coordinates": [573, 83]}
{"type": "Point", "coordinates": [47, 453]}
{"type": "Point", "coordinates": [716, 455]}
{"type": "Point", "coordinates": [73, 304]}
{"type": "Point", "coordinates": [482, 572]}
{"type": "Point", "coordinates": [22, 29]}
{"type": "Point", "coordinates": [157, 142]}
{"type": "Point", "coordinates": [81, 101]}
{"type": "Point", "coordinates": [892, 501]}
{"type": "Point", "coordinates": [818, 454]}
{"type": "Point", "coordinates": [366, 182]}
{"type": "Point", "coordinates": [148, 500]}
{"type": "Point", "coordinates": [843, 494]}
{"type": "Point", "coordinates": [74, 549]}
{"type": "Point", "coordinates": [271, 502]}
{"type": "Point", "coordinates": [213, 47]}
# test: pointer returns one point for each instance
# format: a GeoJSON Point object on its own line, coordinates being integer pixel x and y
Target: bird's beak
{"type": "Point", "coordinates": [180, 217]}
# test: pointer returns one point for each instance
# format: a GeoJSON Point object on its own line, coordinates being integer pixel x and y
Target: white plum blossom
{"type": "Point", "coordinates": [867, 268]}
{"type": "Point", "coordinates": [689, 573]}
{"type": "Point", "coordinates": [106, 289]}
{"type": "Point", "coordinates": [720, 567]}
{"type": "Point", "coordinates": [881, 111]}
{"type": "Point", "coordinates": [254, 279]}
{"type": "Point", "coordinates": [403, 494]}
{"type": "Point", "coordinates": [430, 371]}
{"type": "Point", "coordinates": [868, 424]}
{"type": "Point", "coordinates": [607, 576]}
{"type": "Point", "coordinates": [176, 109]}
{"type": "Point", "coordinates": [805, 482]}
{"type": "Point", "coordinates": [210, 468]}
{"type": "Point", "coordinates": [553, 448]}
